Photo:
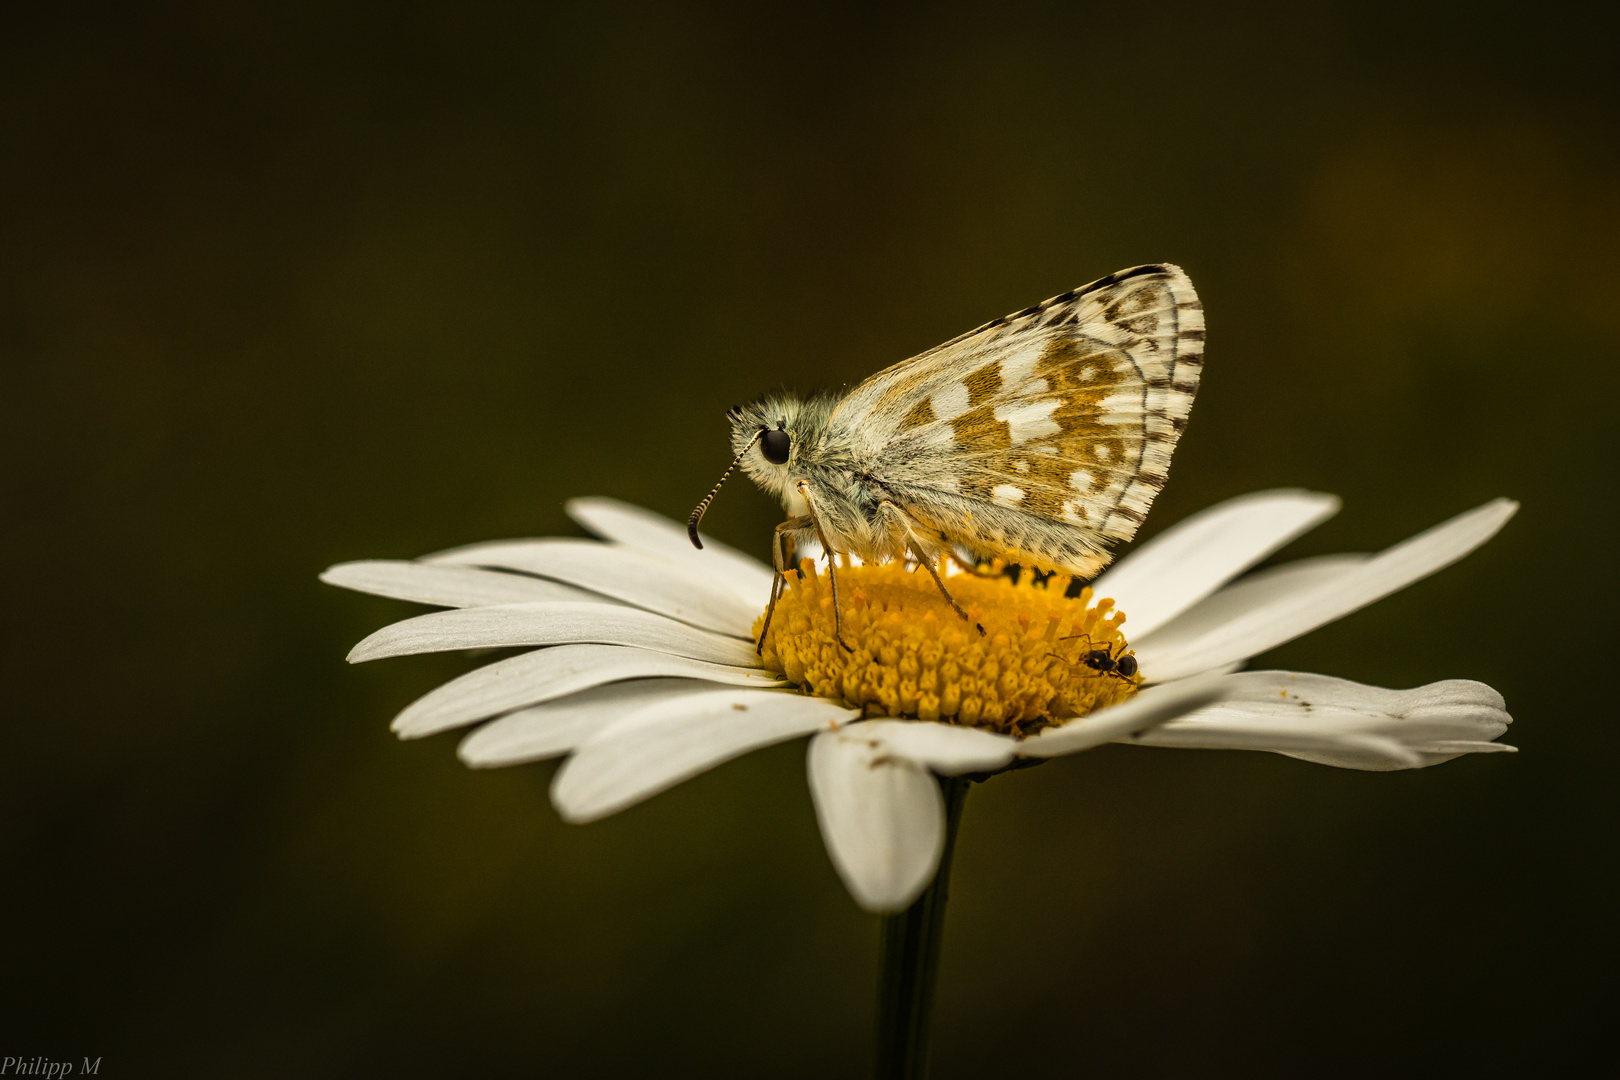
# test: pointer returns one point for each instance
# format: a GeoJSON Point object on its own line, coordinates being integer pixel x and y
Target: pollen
{"type": "Point", "coordinates": [1044, 658]}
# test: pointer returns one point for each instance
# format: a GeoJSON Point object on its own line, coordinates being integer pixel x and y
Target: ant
{"type": "Point", "coordinates": [1122, 666]}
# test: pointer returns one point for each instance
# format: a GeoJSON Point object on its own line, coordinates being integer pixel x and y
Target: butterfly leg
{"type": "Point", "coordinates": [928, 564]}
{"type": "Point", "coordinates": [803, 487]}
{"type": "Point", "coordinates": [780, 540]}
{"type": "Point", "coordinates": [900, 523]}
{"type": "Point", "coordinates": [967, 567]}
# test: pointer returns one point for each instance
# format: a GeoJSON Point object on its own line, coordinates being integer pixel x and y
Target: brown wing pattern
{"type": "Point", "coordinates": [1067, 412]}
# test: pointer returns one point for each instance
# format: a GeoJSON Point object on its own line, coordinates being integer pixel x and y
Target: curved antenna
{"type": "Point", "coordinates": [697, 515]}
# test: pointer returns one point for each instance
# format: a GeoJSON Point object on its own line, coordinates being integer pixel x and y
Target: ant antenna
{"type": "Point", "coordinates": [697, 515]}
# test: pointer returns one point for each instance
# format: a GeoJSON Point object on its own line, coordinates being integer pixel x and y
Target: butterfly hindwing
{"type": "Point", "coordinates": [1047, 433]}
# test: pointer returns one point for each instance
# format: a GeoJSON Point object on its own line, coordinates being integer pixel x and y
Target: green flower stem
{"type": "Point", "coordinates": [910, 942]}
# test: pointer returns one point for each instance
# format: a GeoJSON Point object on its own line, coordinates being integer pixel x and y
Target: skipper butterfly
{"type": "Point", "coordinates": [1039, 438]}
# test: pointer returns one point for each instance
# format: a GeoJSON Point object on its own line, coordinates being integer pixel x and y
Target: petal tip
{"type": "Point", "coordinates": [883, 905]}
{"type": "Point", "coordinates": [1327, 502]}
{"type": "Point", "coordinates": [577, 812]}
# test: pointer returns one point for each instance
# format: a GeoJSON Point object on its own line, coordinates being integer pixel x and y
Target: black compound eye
{"type": "Point", "coordinates": [775, 446]}
{"type": "Point", "coordinates": [1127, 666]}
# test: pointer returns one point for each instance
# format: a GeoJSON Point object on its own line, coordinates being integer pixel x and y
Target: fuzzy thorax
{"type": "Point", "coordinates": [915, 658]}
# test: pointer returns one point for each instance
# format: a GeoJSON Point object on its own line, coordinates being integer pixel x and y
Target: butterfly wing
{"type": "Point", "coordinates": [1043, 435]}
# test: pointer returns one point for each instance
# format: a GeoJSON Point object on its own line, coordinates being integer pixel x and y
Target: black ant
{"type": "Point", "coordinates": [1122, 666]}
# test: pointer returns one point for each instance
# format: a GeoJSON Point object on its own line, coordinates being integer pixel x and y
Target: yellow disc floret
{"type": "Point", "coordinates": [1040, 661]}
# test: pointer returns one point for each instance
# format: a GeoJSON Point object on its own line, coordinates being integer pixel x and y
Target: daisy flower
{"type": "Point", "coordinates": [642, 666]}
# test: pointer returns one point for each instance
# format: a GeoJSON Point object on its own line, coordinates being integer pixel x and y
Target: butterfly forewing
{"type": "Point", "coordinates": [1047, 433]}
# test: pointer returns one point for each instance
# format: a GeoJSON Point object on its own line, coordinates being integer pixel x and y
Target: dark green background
{"type": "Point", "coordinates": [287, 284]}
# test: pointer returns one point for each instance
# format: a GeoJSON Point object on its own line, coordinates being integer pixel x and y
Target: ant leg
{"type": "Point", "coordinates": [832, 568]}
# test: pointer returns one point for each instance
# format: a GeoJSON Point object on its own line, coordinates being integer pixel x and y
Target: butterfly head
{"type": "Point", "coordinates": [765, 436]}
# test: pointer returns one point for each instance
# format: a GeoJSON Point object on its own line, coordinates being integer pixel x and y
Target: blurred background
{"type": "Point", "coordinates": [288, 284]}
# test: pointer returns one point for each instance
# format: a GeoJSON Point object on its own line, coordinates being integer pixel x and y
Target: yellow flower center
{"type": "Point", "coordinates": [1044, 657]}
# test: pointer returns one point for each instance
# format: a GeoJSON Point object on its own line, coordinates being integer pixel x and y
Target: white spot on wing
{"type": "Point", "coordinates": [1123, 408]}
{"type": "Point", "coordinates": [1081, 481]}
{"type": "Point", "coordinates": [1100, 452]}
{"type": "Point", "coordinates": [1007, 495]}
{"type": "Point", "coordinates": [1029, 420]}
{"type": "Point", "coordinates": [951, 401]}
{"type": "Point", "coordinates": [1020, 364]}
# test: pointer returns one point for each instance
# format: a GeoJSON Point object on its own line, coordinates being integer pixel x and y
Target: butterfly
{"type": "Point", "coordinates": [1038, 438]}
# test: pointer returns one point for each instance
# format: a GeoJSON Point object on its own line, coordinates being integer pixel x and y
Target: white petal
{"type": "Point", "coordinates": [1263, 588]}
{"type": "Point", "coordinates": [503, 625]}
{"type": "Point", "coordinates": [544, 674]}
{"type": "Point", "coordinates": [1220, 729]}
{"type": "Point", "coordinates": [629, 574]}
{"type": "Point", "coordinates": [1145, 710]}
{"type": "Point", "coordinates": [662, 744]}
{"type": "Point", "coordinates": [619, 521]}
{"type": "Point", "coordinates": [1289, 616]}
{"type": "Point", "coordinates": [1305, 689]}
{"type": "Point", "coordinates": [1187, 562]}
{"type": "Point", "coordinates": [947, 749]}
{"type": "Point", "coordinates": [448, 586]}
{"type": "Point", "coordinates": [1337, 722]}
{"type": "Point", "coordinates": [882, 817]}
{"type": "Point", "coordinates": [1449, 747]}
{"type": "Point", "coordinates": [557, 727]}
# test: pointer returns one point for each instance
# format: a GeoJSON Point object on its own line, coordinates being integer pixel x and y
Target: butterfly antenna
{"type": "Point", "coordinates": [697, 515]}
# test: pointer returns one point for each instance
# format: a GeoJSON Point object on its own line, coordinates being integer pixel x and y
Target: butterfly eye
{"type": "Point", "coordinates": [775, 446]}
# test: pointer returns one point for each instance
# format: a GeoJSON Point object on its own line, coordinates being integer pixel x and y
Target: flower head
{"type": "Point", "coordinates": [644, 670]}
{"type": "Point", "coordinates": [913, 658]}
